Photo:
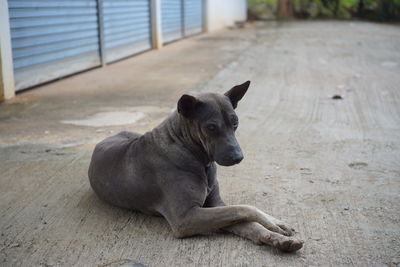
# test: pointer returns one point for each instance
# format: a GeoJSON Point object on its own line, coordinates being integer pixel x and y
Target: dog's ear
{"type": "Point", "coordinates": [187, 105]}
{"type": "Point", "coordinates": [237, 92]}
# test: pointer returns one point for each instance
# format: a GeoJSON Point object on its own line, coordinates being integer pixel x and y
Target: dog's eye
{"type": "Point", "coordinates": [235, 122]}
{"type": "Point", "coordinates": [212, 128]}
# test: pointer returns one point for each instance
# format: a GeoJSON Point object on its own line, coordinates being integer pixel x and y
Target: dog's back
{"type": "Point", "coordinates": [113, 161]}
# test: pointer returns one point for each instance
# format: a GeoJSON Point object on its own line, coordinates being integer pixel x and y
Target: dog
{"type": "Point", "coordinates": [171, 172]}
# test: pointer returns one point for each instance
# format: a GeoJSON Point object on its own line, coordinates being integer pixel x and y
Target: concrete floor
{"type": "Point", "coordinates": [329, 167]}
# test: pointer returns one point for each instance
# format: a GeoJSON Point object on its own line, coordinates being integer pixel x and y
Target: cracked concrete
{"type": "Point", "coordinates": [330, 167]}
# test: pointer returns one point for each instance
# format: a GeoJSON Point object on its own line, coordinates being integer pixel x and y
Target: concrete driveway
{"type": "Point", "coordinates": [330, 167]}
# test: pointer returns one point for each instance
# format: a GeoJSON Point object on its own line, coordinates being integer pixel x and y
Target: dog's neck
{"type": "Point", "coordinates": [177, 128]}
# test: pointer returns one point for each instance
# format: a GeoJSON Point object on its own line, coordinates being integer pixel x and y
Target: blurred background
{"type": "Point", "coordinates": [378, 10]}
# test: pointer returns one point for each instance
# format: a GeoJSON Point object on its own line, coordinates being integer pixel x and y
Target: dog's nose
{"type": "Point", "coordinates": [237, 159]}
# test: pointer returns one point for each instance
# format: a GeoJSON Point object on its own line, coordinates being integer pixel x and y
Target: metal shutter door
{"type": "Point", "coordinates": [171, 20]}
{"type": "Point", "coordinates": [52, 38]}
{"type": "Point", "coordinates": [127, 28]}
{"type": "Point", "coordinates": [193, 16]}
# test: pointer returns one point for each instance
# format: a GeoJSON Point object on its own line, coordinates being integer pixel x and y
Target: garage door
{"type": "Point", "coordinates": [127, 28]}
{"type": "Point", "coordinates": [171, 20]}
{"type": "Point", "coordinates": [55, 38]}
{"type": "Point", "coordinates": [52, 38]}
{"type": "Point", "coordinates": [181, 18]}
{"type": "Point", "coordinates": [193, 16]}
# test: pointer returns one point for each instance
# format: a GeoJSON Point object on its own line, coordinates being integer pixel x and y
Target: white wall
{"type": "Point", "coordinates": [223, 13]}
{"type": "Point", "coordinates": [7, 89]}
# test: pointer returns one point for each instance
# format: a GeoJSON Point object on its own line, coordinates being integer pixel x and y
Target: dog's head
{"type": "Point", "coordinates": [213, 122]}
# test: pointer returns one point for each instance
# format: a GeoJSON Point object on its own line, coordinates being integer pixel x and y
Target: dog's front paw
{"type": "Point", "coordinates": [289, 231]}
{"type": "Point", "coordinates": [281, 228]}
{"type": "Point", "coordinates": [283, 243]}
{"type": "Point", "coordinates": [289, 245]}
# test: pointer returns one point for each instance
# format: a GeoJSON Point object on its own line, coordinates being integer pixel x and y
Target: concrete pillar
{"type": "Point", "coordinates": [156, 34]}
{"type": "Point", "coordinates": [7, 87]}
{"type": "Point", "coordinates": [206, 17]}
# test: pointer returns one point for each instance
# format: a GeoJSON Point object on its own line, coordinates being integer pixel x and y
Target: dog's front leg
{"type": "Point", "coordinates": [214, 200]}
{"type": "Point", "coordinates": [239, 219]}
{"type": "Point", "coordinates": [260, 235]}
{"type": "Point", "coordinates": [199, 220]}
{"type": "Point", "coordinates": [255, 231]}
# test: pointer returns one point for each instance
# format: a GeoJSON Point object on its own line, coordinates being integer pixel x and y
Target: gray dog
{"type": "Point", "coordinates": [171, 171]}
